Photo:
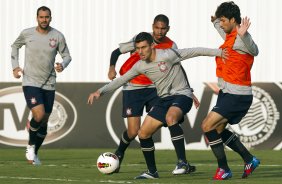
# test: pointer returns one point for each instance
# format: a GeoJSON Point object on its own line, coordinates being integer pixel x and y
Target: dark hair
{"type": "Point", "coordinates": [229, 10]}
{"type": "Point", "coordinates": [143, 36]}
{"type": "Point", "coordinates": [43, 8]}
{"type": "Point", "coordinates": [162, 18]}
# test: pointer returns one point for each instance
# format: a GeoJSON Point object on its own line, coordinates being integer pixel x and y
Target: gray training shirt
{"type": "Point", "coordinates": [40, 54]}
{"type": "Point", "coordinates": [130, 47]}
{"type": "Point", "coordinates": [166, 71]}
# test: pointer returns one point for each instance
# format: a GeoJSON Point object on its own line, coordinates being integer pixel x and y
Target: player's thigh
{"type": "Point", "coordinates": [149, 127]}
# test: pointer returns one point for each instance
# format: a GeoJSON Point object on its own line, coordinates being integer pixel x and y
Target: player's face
{"type": "Point", "coordinates": [159, 30]}
{"type": "Point", "coordinates": [227, 24]}
{"type": "Point", "coordinates": [43, 19]}
{"type": "Point", "coordinates": [144, 50]}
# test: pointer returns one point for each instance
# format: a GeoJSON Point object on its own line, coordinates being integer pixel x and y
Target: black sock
{"type": "Point", "coordinates": [148, 149]}
{"type": "Point", "coordinates": [124, 143]}
{"type": "Point", "coordinates": [233, 142]}
{"type": "Point", "coordinates": [34, 126]}
{"type": "Point", "coordinates": [41, 134]}
{"type": "Point", "coordinates": [177, 139]}
{"type": "Point", "coordinates": [217, 148]}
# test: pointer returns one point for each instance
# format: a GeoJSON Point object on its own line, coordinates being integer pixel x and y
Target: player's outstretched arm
{"type": "Point", "coordinates": [93, 96]}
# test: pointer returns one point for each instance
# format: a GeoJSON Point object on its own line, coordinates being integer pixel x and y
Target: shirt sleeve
{"type": "Point", "coordinates": [249, 43]}
{"type": "Point", "coordinates": [178, 55]}
{"type": "Point", "coordinates": [20, 41]}
{"type": "Point", "coordinates": [127, 46]}
{"type": "Point", "coordinates": [64, 52]}
{"type": "Point", "coordinates": [219, 30]}
{"type": "Point", "coordinates": [115, 84]}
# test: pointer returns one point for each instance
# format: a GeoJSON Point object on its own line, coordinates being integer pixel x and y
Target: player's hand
{"type": "Point", "coordinates": [213, 18]}
{"type": "Point", "coordinates": [92, 97]}
{"type": "Point", "coordinates": [224, 54]}
{"type": "Point", "coordinates": [59, 67]}
{"type": "Point", "coordinates": [196, 101]}
{"type": "Point", "coordinates": [245, 24]}
{"type": "Point", "coordinates": [17, 72]}
{"type": "Point", "coordinates": [112, 73]}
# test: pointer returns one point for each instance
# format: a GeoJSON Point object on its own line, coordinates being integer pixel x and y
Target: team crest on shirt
{"type": "Point", "coordinates": [52, 42]}
{"type": "Point", "coordinates": [162, 66]}
{"type": "Point", "coordinates": [33, 100]}
{"type": "Point", "coordinates": [128, 111]}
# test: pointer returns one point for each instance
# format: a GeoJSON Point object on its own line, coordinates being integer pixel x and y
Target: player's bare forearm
{"type": "Point", "coordinates": [93, 96]}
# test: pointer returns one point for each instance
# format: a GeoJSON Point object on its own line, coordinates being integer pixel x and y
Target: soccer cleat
{"type": "Point", "coordinates": [120, 157]}
{"type": "Point", "coordinates": [36, 160]}
{"type": "Point", "coordinates": [222, 174]}
{"type": "Point", "coordinates": [29, 154]}
{"type": "Point", "coordinates": [148, 175]}
{"type": "Point", "coordinates": [183, 168]}
{"type": "Point", "coordinates": [250, 167]}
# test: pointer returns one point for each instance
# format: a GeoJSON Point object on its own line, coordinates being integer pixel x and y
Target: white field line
{"type": "Point", "coordinates": [43, 179]}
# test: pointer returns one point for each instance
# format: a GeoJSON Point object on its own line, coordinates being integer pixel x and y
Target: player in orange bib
{"type": "Point", "coordinates": [235, 95]}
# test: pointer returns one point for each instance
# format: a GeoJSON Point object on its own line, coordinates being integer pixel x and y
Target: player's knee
{"type": "Point", "coordinates": [38, 117]}
{"type": "Point", "coordinates": [132, 133]}
{"type": "Point", "coordinates": [143, 134]}
{"type": "Point", "coordinates": [205, 126]}
{"type": "Point", "coordinates": [170, 120]}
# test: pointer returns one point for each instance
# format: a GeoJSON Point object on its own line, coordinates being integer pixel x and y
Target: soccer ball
{"type": "Point", "coordinates": [107, 163]}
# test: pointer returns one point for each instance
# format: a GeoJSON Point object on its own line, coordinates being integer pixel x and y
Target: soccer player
{"type": "Point", "coordinates": [140, 91]}
{"type": "Point", "coordinates": [39, 77]}
{"type": "Point", "coordinates": [163, 68]}
{"type": "Point", "coordinates": [235, 95]}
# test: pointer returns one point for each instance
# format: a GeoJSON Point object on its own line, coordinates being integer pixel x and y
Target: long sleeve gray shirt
{"type": "Point", "coordinates": [165, 71]}
{"type": "Point", "coordinates": [130, 47]}
{"type": "Point", "coordinates": [40, 54]}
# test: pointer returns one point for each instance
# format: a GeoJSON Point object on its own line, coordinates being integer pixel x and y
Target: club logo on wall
{"type": "Point", "coordinates": [261, 120]}
{"type": "Point", "coordinates": [14, 115]}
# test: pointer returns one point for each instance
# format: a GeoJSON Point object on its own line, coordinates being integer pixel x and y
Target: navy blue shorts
{"type": "Point", "coordinates": [134, 101]}
{"type": "Point", "coordinates": [35, 96]}
{"type": "Point", "coordinates": [160, 109]}
{"type": "Point", "coordinates": [232, 107]}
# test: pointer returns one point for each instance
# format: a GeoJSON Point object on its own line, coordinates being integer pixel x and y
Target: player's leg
{"type": "Point", "coordinates": [48, 100]}
{"type": "Point", "coordinates": [209, 125]}
{"type": "Point", "coordinates": [148, 128]}
{"type": "Point", "coordinates": [240, 108]}
{"type": "Point", "coordinates": [180, 106]}
{"type": "Point", "coordinates": [126, 137]}
{"type": "Point", "coordinates": [34, 100]}
{"type": "Point", "coordinates": [133, 105]}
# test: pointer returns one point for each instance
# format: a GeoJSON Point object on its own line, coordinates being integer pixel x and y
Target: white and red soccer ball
{"type": "Point", "coordinates": [107, 163]}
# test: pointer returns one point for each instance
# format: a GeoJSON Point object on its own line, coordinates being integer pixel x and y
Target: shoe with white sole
{"type": "Point", "coordinates": [29, 154]}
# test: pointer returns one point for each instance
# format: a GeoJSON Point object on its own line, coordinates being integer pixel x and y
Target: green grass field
{"type": "Point", "coordinates": [79, 166]}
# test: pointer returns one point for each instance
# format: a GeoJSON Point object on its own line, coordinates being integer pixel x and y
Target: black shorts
{"type": "Point", "coordinates": [35, 96]}
{"type": "Point", "coordinates": [160, 109]}
{"type": "Point", "coordinates": [134, 101]}
{"type": "Point", "coordinates": [233, 107]}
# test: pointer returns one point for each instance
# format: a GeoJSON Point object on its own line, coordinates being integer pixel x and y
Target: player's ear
{"type": "Point", "coordinates": [168, 27]}
{"type": "Point", "coordinates": [50, 19]}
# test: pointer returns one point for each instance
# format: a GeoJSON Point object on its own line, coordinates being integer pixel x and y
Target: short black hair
{"type": "Point", "coordinates": [162, 18]}
{"type": "Point", "coordinates": [229, 10]}
{"type": "Point", "coordinates": [144, 36]}
{"type": "Point", "coordinates": [43, 8]}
